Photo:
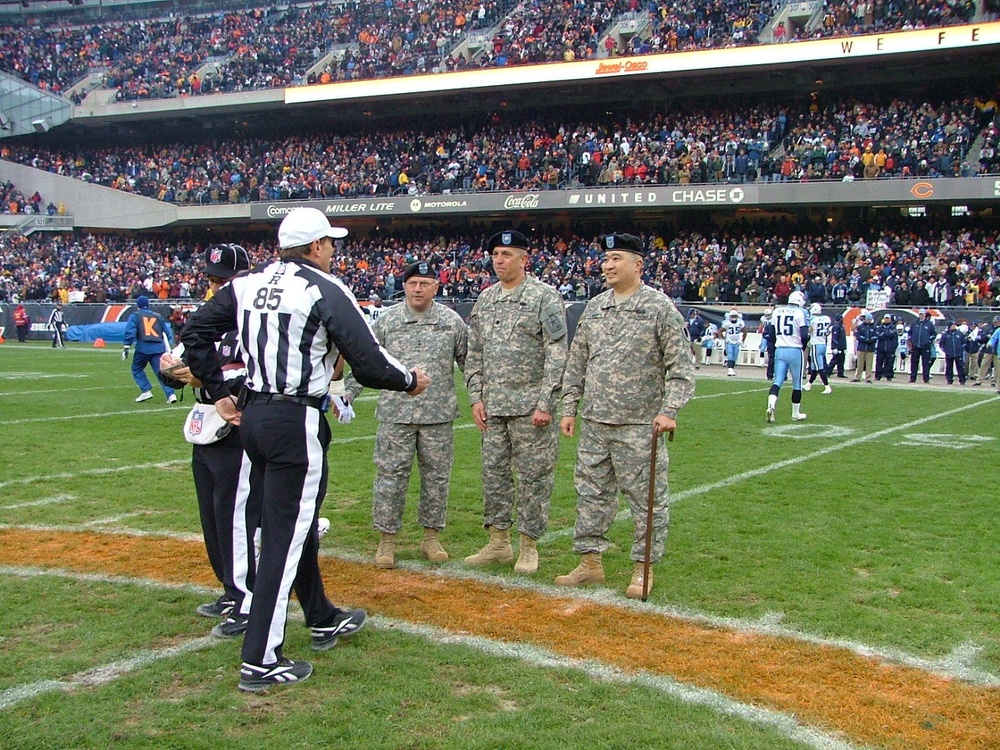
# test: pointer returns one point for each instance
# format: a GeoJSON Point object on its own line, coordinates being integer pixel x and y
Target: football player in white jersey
{"type": "Point", "coordinates": [791, 337]}
{"type": "Point", "coordinates": [735, 333]}
{"type": "Point", "coordinates": [820, 326]}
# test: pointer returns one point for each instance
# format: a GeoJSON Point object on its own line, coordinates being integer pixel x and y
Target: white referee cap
{"type": "Point", "coordinates": [304, 225]}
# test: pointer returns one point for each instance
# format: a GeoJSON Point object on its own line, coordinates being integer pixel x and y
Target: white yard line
{"type": "Point", "coordinates": [778, 465]}
{"type": "Point", "coordinates": [110, 520]}
{"type": "Point", "coordinates": [43, 501]}
{"type": "Point", "coordinates": [743, 476]}
{"type": "Point", "coordinates": [69, 390]}
{"type": "Point", "coordinates": [957, 665]}
{"type": "Point", "coordinates": [158, 465]}
{"type": "Point", "coordinates": [103, 674]}
{"type": "Point", "coordinates": [93, 472]}
{"type": "Point", "coordinates": [137, 412]}
{"type": "Point", "coordinates": [782, 723]}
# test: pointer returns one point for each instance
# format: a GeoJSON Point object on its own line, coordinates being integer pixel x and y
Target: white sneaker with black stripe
{"type": "Point", "coordinates": [344, 624]}
{"type": "Point", "coordinates": [254, 678]}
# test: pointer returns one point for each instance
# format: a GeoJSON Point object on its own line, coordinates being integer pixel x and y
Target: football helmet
{"type": "Point", "coordinates": [815, 308]}
{"type": "Point", "coordinates": [797, 298]}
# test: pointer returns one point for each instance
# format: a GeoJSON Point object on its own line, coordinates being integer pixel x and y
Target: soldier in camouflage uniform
{"type": "Point", "coordinates": [632, 364]}
{"type": "Point", "coordinates": [517, 352]}
{"type": "Point", "coordinates": [435, 339]}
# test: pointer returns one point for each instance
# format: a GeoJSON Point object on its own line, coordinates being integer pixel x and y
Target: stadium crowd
{"type": "Point", "coordinates": [266, 47]}
{"type": "Point", "coordinates": [745, 264]}
{"type": "Point", "coordinates": [842, 140]}
{"type": "Point", "coordinates": [13, 201]}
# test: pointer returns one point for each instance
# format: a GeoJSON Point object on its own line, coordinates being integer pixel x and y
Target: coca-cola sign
{"type": "Point", "coordinates": [521, 202]}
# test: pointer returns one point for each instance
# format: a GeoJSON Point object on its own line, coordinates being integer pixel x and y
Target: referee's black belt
{"type": "Point", "coordinates": [317, 402]}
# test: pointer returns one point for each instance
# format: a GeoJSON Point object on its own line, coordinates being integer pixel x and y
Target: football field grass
{"type": "Point", "coordinates": [827, 584]}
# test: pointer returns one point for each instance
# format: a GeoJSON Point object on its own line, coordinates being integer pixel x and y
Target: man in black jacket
{"type": "Point", "coordinates": [922, 335]}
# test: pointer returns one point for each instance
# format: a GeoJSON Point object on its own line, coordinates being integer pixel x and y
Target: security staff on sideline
{"type": "Point", "coordinates": [151, 335]}
{"type": "Point", "coordinates": [838, 347]}
{"type": "Point", "coordinates": [216, 465]}
{"type": "Point", "coordinates": [293, 320]}
{"type": "Point", "coordinates": [952, 343]}
{"type": "Point", "coordinates": [865, 340]}
{"type": "Point", "coordinates": [922, 335]}
{"type": "Point", "coordinates": [632, 365]}
{"type": "Point", "coordinates": [434, 337]}
{"type": "Point", "coordinates": [517, 352]}
{"type": "Point", "coordinates": [696, 327]}
{"type": "Point", "coordinates": [885, 348]}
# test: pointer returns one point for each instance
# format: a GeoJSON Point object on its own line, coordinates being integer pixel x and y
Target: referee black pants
{"type": "Point", "coordinates": [286, 444]}
{"type": "Point", "coordinates": [216, 469]}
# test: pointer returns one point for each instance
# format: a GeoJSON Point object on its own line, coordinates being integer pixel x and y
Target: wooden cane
{"type": "Point", "coordinates": [649, 511]}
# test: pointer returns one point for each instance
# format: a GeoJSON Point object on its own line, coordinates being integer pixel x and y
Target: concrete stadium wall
{"type": "Point", "coordinates": [92, 206]}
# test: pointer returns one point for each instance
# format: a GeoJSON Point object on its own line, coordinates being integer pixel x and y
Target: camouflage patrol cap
{"type": "Point", "coordinates": [626, 242]}
{"type": "Point", "coordinates": [507, 238]}
{"type": "Point", "coordinates": [421, 268]}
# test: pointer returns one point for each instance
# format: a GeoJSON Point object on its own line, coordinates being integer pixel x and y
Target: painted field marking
{"type": "Point", "coordinates": [115, 519]}
{"type": "Point", "coordinates": [533, 656]}
{"type": "Point", "coordinates": [158, 465]}
{"type": "Point", "coordinates": [138, 412]}
{"type": "Point", "coordinates": [37, 375]}
{"type": "Point", "coordinates": [70, 390]}
{"type": "Point", "coordinates": [103, 674]}
{"type": "Point", "coordinates": [93, 472]}
{"type": "Point", "coordinates": [954, 441]}
{"type": "Point", "coordinates": [43, 501]}
{"type": "Point", "coordinates": [785, 724]}
{"type": "Point", "coordinates": [867, 438]}
{"type": "Point", "coordinates": [778, 465]}
{"type": "Point", "coordinates": [958, 664]}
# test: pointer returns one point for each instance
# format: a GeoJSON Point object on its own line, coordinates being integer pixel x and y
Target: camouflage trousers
{"type": "Point", "coordinates": [513, 446]}
{"type": "Point", "coordinates": [395, 446]}
{"type": "Point", "coordinates": [612, 459]}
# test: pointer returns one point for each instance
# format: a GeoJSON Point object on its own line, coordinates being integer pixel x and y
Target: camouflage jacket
{"type": "Point", "coordinates": [517, 349]}
{"type": "Point", "coordinates": [629, 362]}
{"type": "Point", "coordinates": [435, 343]}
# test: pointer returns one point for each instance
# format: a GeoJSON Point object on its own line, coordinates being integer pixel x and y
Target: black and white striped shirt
{"type": "Point", "coordinates": [293, 321]}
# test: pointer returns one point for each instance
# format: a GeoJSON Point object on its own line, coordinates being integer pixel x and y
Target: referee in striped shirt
{"type": "Point", "coordinates": [293, 319]}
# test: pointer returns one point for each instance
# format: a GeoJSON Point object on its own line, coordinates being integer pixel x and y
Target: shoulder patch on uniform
{"type": "Point", "coordinates": [553, 319]}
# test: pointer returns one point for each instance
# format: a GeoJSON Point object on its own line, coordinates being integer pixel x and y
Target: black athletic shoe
{"type": "Point", "coordinates": [254, 678]}
{"type": "Point", "coordinates": [219, 608]}
{"type": "Point", "coordinates": [232, 627]}
{"type": "Point", "coordinates": [344, 624]}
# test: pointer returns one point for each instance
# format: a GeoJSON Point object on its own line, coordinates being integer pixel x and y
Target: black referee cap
{"type": "Point", "coordinates": [508, 238]}
{"type": "Point", "coordinates": [623, 242]}
{"type": "Point", "coordinates": [225, 261]}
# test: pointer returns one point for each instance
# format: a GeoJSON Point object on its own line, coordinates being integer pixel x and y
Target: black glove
{"type": "Point", "coordinates": [125, 353]}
